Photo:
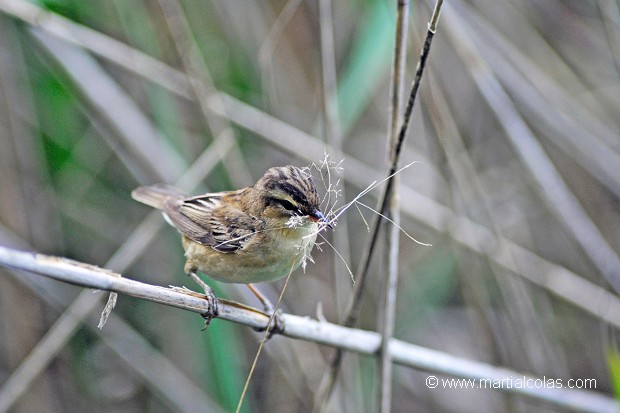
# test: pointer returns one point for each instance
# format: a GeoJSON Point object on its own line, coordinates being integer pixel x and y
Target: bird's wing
{"type": "Point", "coordinates": [203, 219]}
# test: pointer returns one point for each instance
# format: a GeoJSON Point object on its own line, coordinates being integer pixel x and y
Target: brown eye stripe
{"type": "Point", "coordinates": [285, 204]}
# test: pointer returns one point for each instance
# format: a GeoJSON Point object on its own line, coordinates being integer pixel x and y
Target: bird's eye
{"type": "Point", "coordinates": [287, 205]}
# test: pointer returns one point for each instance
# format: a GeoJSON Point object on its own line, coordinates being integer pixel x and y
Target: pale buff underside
{"type": "Point", "coordinates": [263, 259]}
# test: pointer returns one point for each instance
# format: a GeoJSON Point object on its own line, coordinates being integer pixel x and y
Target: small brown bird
{"type": "Point", "coordinates": [255, 234]}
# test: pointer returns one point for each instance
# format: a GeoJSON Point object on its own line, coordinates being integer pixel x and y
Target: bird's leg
{"type": "Point", "coordinates": [212, 312]}
{"type": "Point", "coordinates": [277, 325]}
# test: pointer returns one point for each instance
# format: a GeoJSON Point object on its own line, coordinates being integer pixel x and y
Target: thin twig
{"type": "Point", "coordinates": [355, 303]}
{"type": "Point", "coordinates": [304, 328]}
{"type": "Point", "coordinates": [266, 334]}
{"type": "Point", "coordinates": [388, 307]}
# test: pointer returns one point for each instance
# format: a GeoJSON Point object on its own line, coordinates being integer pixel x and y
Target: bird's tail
{"type": "Point", "coordinates": [156, 195]}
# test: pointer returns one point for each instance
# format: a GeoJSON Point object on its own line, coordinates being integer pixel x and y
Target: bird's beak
{"type": "Point", "coordinates": [317, 216]}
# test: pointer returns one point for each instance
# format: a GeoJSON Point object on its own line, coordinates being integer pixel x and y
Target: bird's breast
{"type": "Point", "coordinates": [270, 255]}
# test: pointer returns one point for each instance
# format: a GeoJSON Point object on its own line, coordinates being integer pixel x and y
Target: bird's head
{"type": "Point", "coordinates": [288, 191]}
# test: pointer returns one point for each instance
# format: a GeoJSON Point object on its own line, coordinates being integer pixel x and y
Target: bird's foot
{"type": "Point", "coordinates": [276, 324]}
{"type": "Point", "coordinates": [212, 311]}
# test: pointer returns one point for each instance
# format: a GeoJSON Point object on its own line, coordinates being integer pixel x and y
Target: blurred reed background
{"type": "Point", "coordinates": [517, 187]}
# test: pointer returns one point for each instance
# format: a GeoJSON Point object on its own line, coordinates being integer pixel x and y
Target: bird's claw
{"type": "Point", "coordinates": [276, 324]}
{"type": "Point", "coordinates": [212, 311]}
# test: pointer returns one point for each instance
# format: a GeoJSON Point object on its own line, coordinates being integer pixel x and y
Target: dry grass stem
{"type": "Point", "coordinates": [360, 341]}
